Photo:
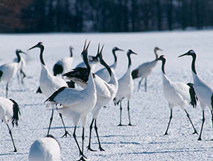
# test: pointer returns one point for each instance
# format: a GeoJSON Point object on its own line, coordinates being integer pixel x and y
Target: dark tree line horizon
{"type": "Point", "coordinates": [37, 16]}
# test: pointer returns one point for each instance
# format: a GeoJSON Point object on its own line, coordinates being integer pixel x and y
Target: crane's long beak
{"type": "Point", "coordinates": [33, 47]}
{"type": "Point", "coordinates": [182, 55]}
{"type": "Point", "coordinates": [120, 49]}
{"type": "Point", "coordinates": [23, 52]}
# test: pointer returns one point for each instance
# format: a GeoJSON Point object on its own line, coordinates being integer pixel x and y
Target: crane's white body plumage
{"type": "Point", "coordinates": [6, 110]}
{"type": "Point", "coordinates": [9, 70]}
{"type": "Point", "coordinates": [45, 149]}
{"type": "Point", "coordinates": [176, 93]}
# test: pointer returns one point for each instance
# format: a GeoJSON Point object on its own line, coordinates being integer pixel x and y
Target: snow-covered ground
{"type": "Point", "coordinates": [149, 111]}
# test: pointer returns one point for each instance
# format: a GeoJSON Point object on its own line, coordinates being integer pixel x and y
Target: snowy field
{"type": "Point", "coordinates": [149, 110]}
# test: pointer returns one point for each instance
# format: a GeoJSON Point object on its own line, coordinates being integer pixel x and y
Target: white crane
{"type": "Point", "coordinates": [49, 83]}
{"type": "Point", "coordinates": [77, 103]}
{"type": "Point", "coordinates": [177, 94]}
{"type": "Point", "coordinates": [63, 65]}
{"type": "Point", "coordinates": [8, 70]}
{"type": "Point", "coordinates": [45, 149]}
{"type": "Point", "coordinates": [9, 111]}
{"type": "Point", "coordinates": [20, 73]}
{"type": "Point", "coordinates": [145, 69]}
{"type": "Point", "coordinates": [125, 88]}
{"type": "Point", "coordinates": [203, 90]}
{"type": "Point", "coordinates": [103, 73]}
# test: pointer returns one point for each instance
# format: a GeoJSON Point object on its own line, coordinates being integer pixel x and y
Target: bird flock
{"type": "Point", "coordinates": [74, 92]}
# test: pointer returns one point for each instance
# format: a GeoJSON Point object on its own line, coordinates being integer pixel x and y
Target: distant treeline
{"type": "Point", "coordinates": [103, 15]}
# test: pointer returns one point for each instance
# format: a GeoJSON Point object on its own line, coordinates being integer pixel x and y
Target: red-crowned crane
{"type": "Point", "coordinates": [203, 90]}
{"type": "Point", "coordinates": [49, 83]}
{"type": "Point", "coordinates": [9, 111]}
{"type": "Point", "coordinates": [77, 103]}
{"type": "Point", "coordinates": [177, 94]}
{"type": "Point", "coordinates": [7, 71]}
{"type": "Point", "coordinates": [145, 69]}
{"type": "Point", "coordinates": [125, 88]}
{"type": "Point", "coordinates": [20, 73]}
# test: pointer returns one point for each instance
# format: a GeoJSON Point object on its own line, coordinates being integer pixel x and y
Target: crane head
{"type": "Point", "coordinates": [39, 45]}
{"type": "Point", "coordinates": [189, 53]}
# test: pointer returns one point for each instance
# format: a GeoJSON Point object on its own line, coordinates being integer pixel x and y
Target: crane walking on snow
{"type": "Point", "coordinates": [177, 94]}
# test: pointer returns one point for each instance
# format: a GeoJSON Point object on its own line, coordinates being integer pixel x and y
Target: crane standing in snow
{"type": "Point", "coordinates": [77, 103]}
{"type": "Point", "coordinates": [203, 90]}
{"type": "Point", "coordinates": [7, 71]}
{"type": "Point", "coordinates": [145, 69]}
{"type": "Point", "coordinates": [125, 88]}
{"type": "Point", "coordinates": [49, 83]}
{"type": "Point", "coordinates": [177, 94]}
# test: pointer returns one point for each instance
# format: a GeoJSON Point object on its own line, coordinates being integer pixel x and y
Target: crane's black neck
{"type": "Point", "coordinates": [156, 54]}
{"type": "Point", "coordinates": [71, 54]}
{"type": "Point", "coordinates": [86, 60]}
{"type": "Point", "coordinates": [41, 54]}
{"type": "Point", "coordinates": [18, 56]}
{"type": "Point", "coordinates": [129, 60]}
{"type": "Point", "coordinates": [163, 66]}
{"type": "Point", "coordinates": [105, 65]}
{"type": "Point", "coordinates": [115, 56]}
{"type": "Point", "coordinates": [193, 63]}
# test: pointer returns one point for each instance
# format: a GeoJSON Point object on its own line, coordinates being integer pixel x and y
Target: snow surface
{"type": "Point", "coordinates": [149, 111]}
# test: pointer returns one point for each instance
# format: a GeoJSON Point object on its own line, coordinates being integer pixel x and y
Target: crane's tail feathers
{"type": "Point", "coordinates": [116, 102]}
{"type": "Point", "coordinates": [193, 95]}
{"type": "Point", "coordinates": [16, 113]}
{"type": "Point", "coordinates": [135, 74]}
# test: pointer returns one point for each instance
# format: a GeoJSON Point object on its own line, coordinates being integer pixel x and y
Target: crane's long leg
{"type": "Point", "coordinates": [65, 130]}
{"type": "Point", "coordinates": [170, 118]}
{"type": "Point", "coordinates": [10, 132]}
{"type": "Point", "coordinates": [139, 83]}
{"type": "Point", "coordinates": [145, 84]}
{"type": "Point", "coordinates": [203, 120]}
{"type": "Point", "coordinates": [51, 119]}
{"type": "Point", "coordinates": [76, 141]}
{"type": "Point", "coordinates": [187, 114]}
{"type": "Point", "coordinates": [120, 113]}
{"type": "Point", "coordinates": [90, 133]}
{"type": "Point", "coordinates": [23, 76]}
{"type": "Point", "coordinates": [96, 130]}
{"type": "Point", "coordinates": [128, 109]}
{"type": "Point", "coordinates": [7, 89]}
